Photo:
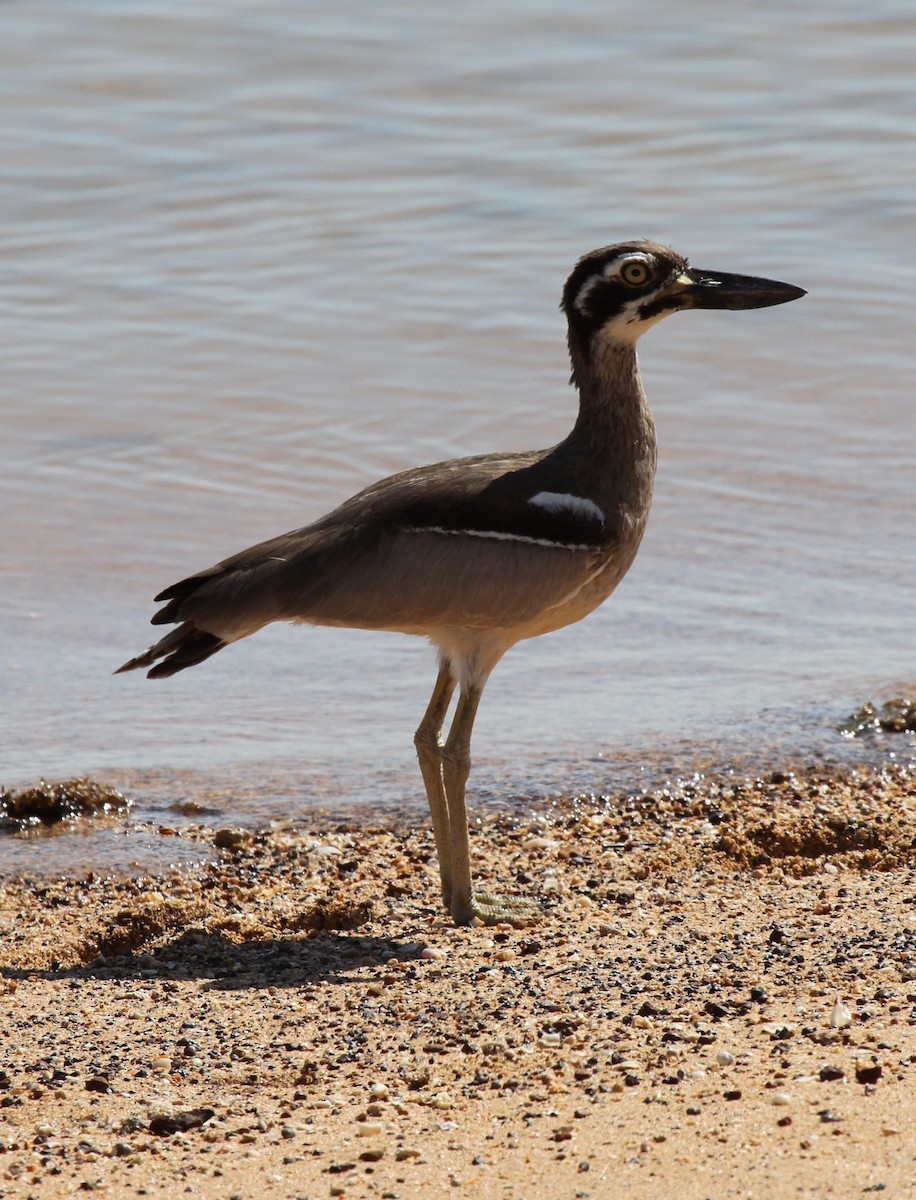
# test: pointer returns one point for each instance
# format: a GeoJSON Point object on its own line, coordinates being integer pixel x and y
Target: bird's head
{"type": "Point", "coordinates": [615, 294]}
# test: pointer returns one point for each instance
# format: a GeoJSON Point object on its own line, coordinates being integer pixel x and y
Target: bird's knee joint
{"type": "Point", "coordinates": [427, 742]}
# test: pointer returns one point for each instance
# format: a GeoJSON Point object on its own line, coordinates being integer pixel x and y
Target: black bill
{"type": "Point", "coordinates": [715, 289]}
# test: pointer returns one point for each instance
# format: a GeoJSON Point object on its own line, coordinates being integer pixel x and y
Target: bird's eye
{"type": "Point", "coordinates": [635, 272]}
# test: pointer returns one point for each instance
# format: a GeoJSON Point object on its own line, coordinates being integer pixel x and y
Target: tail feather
{"type": "Point", "coordinates": [183, 647]}
{"type": "Point", "coordinates": [178, 593]}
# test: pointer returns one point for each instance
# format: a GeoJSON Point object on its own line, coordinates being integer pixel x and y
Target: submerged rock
{"type": "Point", "coordinates": [50, 803]}
{"type": "Point", "coordinates": [894, 716]}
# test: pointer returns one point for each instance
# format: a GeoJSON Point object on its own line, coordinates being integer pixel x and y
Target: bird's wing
{"type": "Point", "coordinates": [458, 543]}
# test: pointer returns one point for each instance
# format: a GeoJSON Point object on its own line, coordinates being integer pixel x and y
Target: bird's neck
{"type": "Point", "coordinates": [614, 424]}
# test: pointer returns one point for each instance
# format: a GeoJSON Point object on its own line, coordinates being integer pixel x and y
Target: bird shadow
{"type": "Point", "coordinates": [222, 964]}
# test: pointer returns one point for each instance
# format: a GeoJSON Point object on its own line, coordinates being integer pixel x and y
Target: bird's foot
{"type": "Point", "coordinates": [505, 910]}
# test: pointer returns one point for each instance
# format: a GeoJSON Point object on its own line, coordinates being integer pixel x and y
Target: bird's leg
{"type": "Point", "coordinates": [428, 741]}
{"type": "Point", "coordinates": [456, 765]}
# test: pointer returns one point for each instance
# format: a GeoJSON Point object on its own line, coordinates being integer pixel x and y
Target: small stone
{"type": "Point", "coordinates": [779, 1031]}
{"type": "Point", "coordinates": [840, 1016]}
{"type": "Point", "coordinates": [369, 1129]}
{"type": "Point", "coordinates": [724, 1059]}
{"type": "Point", "coordinates": [379, 1091]}
{"type": "Point", "coordinates": [868, 1074]}
{"type": "Point", "coordinates": [98, 1083]}
{"type": "Point", "coordinates": [781, 1099]}
{"type": "Point", "coordinates": [431, 952]}
{"type": "Point", "coordinates": [229, 838]}
{"type": "Point", "coordinates": [830, 1074]}
{"type": "Point", "coordinates": [166, 1125]}
{"type": "Point", "coordinates": [442, 1101]}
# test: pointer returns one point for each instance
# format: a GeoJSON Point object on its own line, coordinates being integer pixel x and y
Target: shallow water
{"type": "Point", "coordinates": [254, 260]}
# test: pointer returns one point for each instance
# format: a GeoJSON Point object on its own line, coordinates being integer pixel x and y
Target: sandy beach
{"type": "Point", "coordinates": [720, 1001]}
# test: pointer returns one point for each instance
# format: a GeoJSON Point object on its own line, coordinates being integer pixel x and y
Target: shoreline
{"type": "Point", "coordinates": [720, 998]}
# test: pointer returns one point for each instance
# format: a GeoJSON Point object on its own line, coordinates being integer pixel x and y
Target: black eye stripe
{"type": "Point", "coordinates": [664, 304]}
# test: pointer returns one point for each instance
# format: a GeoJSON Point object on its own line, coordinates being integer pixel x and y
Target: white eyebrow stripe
{"type": "Point", "coordinates": [581, 301]}
{"type": "Point", "coordinates": [566, 502]}
{"type": "Point", "coordinates": [612, 269]}
{"type": "Point", "coordinates": [497, 535]}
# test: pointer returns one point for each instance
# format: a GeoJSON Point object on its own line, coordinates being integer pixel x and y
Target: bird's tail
{"type": "Point", "coordinates": [182, 647]}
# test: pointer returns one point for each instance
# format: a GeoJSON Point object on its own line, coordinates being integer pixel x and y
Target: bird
{"type": "Point", "coordinates": [479, 553]}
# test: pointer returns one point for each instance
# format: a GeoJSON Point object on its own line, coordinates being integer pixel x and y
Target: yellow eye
{"type": "Point", "coordinates": [635, 272]}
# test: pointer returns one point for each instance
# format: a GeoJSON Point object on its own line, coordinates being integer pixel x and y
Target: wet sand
{"type": "Point", "coordinates": [720, 1001]}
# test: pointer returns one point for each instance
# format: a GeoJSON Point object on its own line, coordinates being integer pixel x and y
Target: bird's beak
{"type": "Point", "coordinates": [714, 289]}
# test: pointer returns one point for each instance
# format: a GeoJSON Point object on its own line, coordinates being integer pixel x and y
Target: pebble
{"type": "Point", "coordinates": [323, 850]}
{"type": "Point", "coordinates": [778, 1030]}
{"type": "Point", "coordinates": [431, 952]}
{"type": "Point", "coordinates": [724, 1058]}
{"type": "Point", "coordinates": [379, 1091]}
{"type": "Point", "coordinates": [369, 1129]}
{"type": "Point", "coordinates": [781, 1099]}
{"type": "Point", "coordinates": [840, 1016]}
{"type": "Point", "coordinates": [233, 838]}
